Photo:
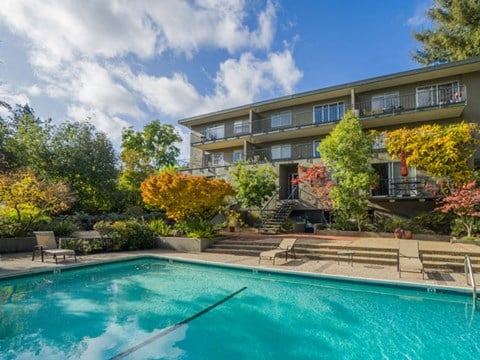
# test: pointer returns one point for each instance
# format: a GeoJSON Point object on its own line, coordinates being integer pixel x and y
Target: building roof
{"type": "Point", "coordinates": [385, 81]}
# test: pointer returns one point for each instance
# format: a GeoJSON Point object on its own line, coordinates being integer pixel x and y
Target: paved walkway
{"type": "Point", "coordinates": [13, 263]}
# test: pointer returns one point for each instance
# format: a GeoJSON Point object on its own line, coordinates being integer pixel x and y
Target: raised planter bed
{"type": "Point", "coordinates": [431, 237]}
{"type": "Point", "coordinates": [183, 243]}
{"type": "Point", "coordinates": [17, 244]}
{"type": "Point", "coordinates": [462, 241]}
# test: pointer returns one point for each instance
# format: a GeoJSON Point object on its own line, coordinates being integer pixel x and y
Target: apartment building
{"type": "Point", "coordinates": [286, 131]}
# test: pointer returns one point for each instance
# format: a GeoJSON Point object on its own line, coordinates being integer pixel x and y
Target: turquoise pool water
{"type": "Point", "coordinates": [155, 309]}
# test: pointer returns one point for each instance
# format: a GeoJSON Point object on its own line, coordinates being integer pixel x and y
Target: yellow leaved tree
{"type": "Point", "coordinates": [184, 196]}
{"type": "Point", "coordinates": [443, 151]}
{"type": "Point", "coordinates": [25, 199]}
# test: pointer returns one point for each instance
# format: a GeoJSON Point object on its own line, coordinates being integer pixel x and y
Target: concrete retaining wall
{"type": "Point", "coordinates": [381, 235]}
{"type": "Point", "coordinates": [11, 245]}
{"type": "Point", "coordinates": [183, 243]}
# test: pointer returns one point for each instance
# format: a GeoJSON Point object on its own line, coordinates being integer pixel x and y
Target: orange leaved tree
{"type": "Point", "coordinates": [184, 196]}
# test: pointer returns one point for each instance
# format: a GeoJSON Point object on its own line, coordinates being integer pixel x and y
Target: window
{"type": "Point", "coordinates": [237, 156]}
{"type": "Point", "coordinates": [215, 132]}
{"type": "Point", "coordinates": [281, 152]}
{"type": "Point", "coordinates": [385, 102]}
{"type": "Point", "coordinates": [283, 119]}
{"type": "Point", "coordinates": [438, 94]}
{"type": "Point", "coordinates": [316, 153]}
{"type": "Point", "coordinates": [241, 127]}
{"type": "Point", "coordinates": [215, 159]}
{"type": "Point", "coordinates": [328, 113]}
{"type": "Point", "coordinates": [426, 96]}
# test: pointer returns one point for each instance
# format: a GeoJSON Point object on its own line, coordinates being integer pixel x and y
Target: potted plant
{"type": "Point", "coordinates": [398, 233]}
{"type": "Point", "coordinates": [233, 217]}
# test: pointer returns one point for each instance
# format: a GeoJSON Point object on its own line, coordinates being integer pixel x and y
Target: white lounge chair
{"type": "Point", "coordinates": [287, 245]}
{"type": "Point", "coordinates": [408, 259]}
{"type": "Point", "coordinates": [46, 244]}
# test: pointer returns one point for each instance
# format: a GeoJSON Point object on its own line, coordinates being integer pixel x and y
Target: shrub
{"type": "Point", "coordinates": [12, 226]}
{"type": "Point", "coordinates": [159, 227]}
{"type": "Point", "coordinates": [60, 226]}
{"type": "Point", "coordinates": [389, 224]}
{"type": "Point", "coordinates": [127, 235]}
{"type": "Point", "coordinates": [196, 228]}
{"type": "Point", "coordinates": [458, 228]}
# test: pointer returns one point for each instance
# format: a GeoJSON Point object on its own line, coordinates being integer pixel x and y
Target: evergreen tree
{"type": "Point", "coordinates": [455, 34]}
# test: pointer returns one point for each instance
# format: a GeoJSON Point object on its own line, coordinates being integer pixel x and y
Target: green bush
{"type": "Point", "coordinates": [434, 222]}
{"type": "Point", "coordinates": [390, 223]}
{"type": "Point", "coordinates": [459, 230]}
{"type": "Point", "coordinates": [86, 221]}
{"type": "Point", "coordinates": [195, 228]}
{"type": "Point", "coordinates": [60, 226]}
{"type": "Point", "coordinates": [159, 227]}
{"type": "Point", "coordinates": [127, 235]}
{"type": "Point", "coordinates": [11, 227]}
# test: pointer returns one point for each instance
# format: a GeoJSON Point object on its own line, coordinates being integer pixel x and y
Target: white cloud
{"type": "Point", "coordinates": [242, 81]}
{"type": "Point", "coordinates": [419, 17]}
{"type": "Point", "coordinates": [33, 90]}
{"type": "Point", "coordinates": [110, 125]}
{"type": "Point", "coordinates": [96, 56]}
{"type": "Point", "coordinates": [237, 82]}
{"type": "Point", "coordinates": [186, 27]}
{"type": "Point", "coordinates": [11, 97]}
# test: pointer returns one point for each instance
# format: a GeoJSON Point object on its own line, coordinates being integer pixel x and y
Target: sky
{"type": "Point", "coordinates": [120, 63]}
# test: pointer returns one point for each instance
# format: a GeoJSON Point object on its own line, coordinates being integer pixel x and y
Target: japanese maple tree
{"type": "Point", "coordinates": [184, 196]}
{"type": "Point", "coordinates": [316, 181]}
{"type": "Point", "coordinates": [464, 202]}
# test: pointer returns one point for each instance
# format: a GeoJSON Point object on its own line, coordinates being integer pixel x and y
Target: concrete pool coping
{"type": "Point", "coordinates": [21, 263]}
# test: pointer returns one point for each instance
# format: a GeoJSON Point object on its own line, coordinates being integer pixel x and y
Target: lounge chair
{"type": "Point", "coordinates": [287, 245]}
{"type": "Point", "coordinates": [409, 259]}
{"type": "Point", "coordinates": [46, 244]}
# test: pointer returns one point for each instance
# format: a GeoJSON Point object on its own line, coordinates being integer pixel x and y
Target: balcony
{"type": "Point", "coordinates": [434, 103]}
{"type": "Point", "coordinates": [420, 187]}
{"type": "Point", "coordinates": [295, 152]}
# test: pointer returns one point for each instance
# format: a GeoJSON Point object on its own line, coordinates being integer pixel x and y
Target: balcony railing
{"type": "Point", "coordinates": [295, 152]}
{"type": "Point", "coordinates": [388, 105]}
{"type": "Point", "coordinates": [405, 187]}
{"type": "Point", "coordinates": [420, 100]}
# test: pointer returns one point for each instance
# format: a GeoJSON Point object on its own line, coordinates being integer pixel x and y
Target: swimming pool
{"type": "Point", "coordinates": [150, 308]}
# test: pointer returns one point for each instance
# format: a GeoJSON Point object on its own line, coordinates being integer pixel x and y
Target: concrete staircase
{"type": "Point", "coordinates": [432, 259]}
{"type": "Point", "coordinates": [273, 224]}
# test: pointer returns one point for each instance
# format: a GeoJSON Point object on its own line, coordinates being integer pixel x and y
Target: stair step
{"type": "Point", "coordinates": [242, 252]}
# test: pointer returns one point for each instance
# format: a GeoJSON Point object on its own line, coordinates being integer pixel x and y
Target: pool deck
{"type": "Point", "coordinates": [21, 262]}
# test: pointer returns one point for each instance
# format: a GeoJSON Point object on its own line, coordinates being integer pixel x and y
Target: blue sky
{"type": "Point", "coordinates": [124, 63]}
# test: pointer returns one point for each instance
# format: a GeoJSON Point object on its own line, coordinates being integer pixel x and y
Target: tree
{"type": "Point", "coordinates": [455, 34]}
{"type": "Point", "coordinates": [316, 180]}
{"type": "Point", "coordinates": [184, 196]}
{"type": "Point", "coordinates": [253, 183]}
{"type": "Point", "coordinates": [443, 151]}
{"type": "Point", "coordinates": [30, 198]}
{"type": "Point", "coordinates": [26, 139]}
{"type": "Point", "coordinates": [463, 202]}
{"type": "Point", "coordinates": [145, 152]}
{"type": "Point", "coordinates": [347, 150]}
{"type": "Point", "coordinates": [85, 159]}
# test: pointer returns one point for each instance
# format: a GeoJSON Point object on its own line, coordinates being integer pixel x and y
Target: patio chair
{"type": "Point", "coordinates": [286, 245]}
{"type": "Point", "coordinates": [46, 244]}
{"type": "Point", "coordinates": [408, 258]}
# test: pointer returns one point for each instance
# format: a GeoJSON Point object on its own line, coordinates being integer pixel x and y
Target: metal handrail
{"type": "Point", "coordinates": [469, 276]}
